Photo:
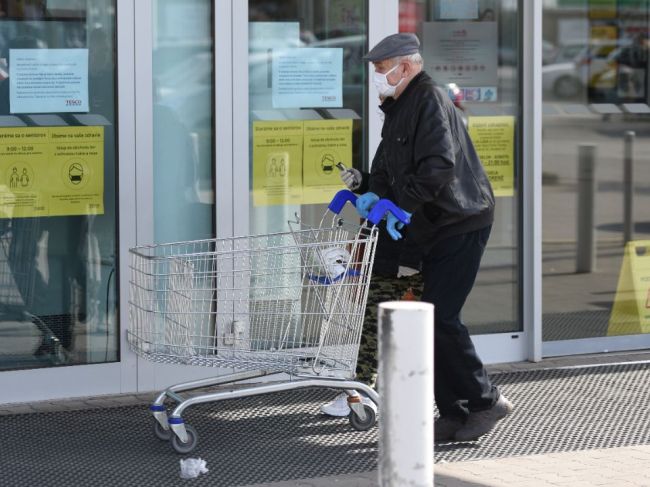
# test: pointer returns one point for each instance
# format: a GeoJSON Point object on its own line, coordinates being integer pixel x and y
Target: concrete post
{"type": "Point", "coordinates": [628, 189]}
{"type": "Point", "coordinates": [406, 394]}
{"type": "Point", "coordinates": [586, 251]}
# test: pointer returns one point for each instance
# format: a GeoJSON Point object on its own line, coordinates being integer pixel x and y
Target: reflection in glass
{"type": "Point", "coordinates": [595, 82]}
{"type": "Point", "coordinates": [57, 274]}
{"type": "Point", "coordinates": [183, 120]}
{"type": "Point", "coordinates": [327, 36]}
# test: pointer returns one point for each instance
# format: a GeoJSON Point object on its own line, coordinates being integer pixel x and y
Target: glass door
{"type": "Point", "coordinates": [176, 131]}
{"type": "Point", "coordinates": [307, 87]}
{"type": "Point", "coordinates": [596, 226]}
{"type": "Point", "coordinates": [59, 259]}
{"type": "Point", "coordinates": [284, 174]}
{"type": "Point", "coordinates": [473, 50]}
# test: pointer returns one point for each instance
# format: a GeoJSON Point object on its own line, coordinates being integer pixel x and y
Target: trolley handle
{"type": "Point", "coordinates": [378, 211]}
{"type": "Point", "coordinates": [384, 206]}
{"type": "Point", "coordinates": [340, 199]}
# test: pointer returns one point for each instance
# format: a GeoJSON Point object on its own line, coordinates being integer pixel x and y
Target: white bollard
{"type": "Point", "coordinates": [406, 394]}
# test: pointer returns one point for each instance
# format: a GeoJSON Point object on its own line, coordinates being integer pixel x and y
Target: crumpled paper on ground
{"type": "Point", "coordinates": [192, 468]}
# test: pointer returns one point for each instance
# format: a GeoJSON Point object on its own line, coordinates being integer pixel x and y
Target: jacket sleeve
{"type": "Point", "coordinates": [379, 182]}
{"type": "Point", "coordinates": [365, 181]}
{"type": "Point", "coordinates": [433, 156]}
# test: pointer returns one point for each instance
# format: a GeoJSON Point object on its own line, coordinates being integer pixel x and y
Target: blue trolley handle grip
{"type": "Point", "coordinates": [340, 199]}
{"type": "Point", "coordinates": [382, 207]}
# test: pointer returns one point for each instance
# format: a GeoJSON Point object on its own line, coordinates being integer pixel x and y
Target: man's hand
{"type": "Point", "coordinates": [393, 225]}
{"type": "Point", "coordinates": [365, 202]}
{"type": "Point", "coordinates": [351, 178]}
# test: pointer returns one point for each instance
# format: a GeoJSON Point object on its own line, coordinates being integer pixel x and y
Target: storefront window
{"type": "Point", "coordinates": [471, 49]}
{"type": "Point", "coordinates": [596, 177]}
{"type": "Point", "coordinates": [58, 214]}
{"type": "Point", "coordinates": [183, 120]}
{"type": "Point", "coordinates": [307, 92]}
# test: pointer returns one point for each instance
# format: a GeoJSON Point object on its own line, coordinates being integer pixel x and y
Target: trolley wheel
{"type": "Point", "coordinates": [367, 423]}
{"type": "Point", "coordinates": [192, 441]}
{"type": "Point", "coordinates": [162, 433]}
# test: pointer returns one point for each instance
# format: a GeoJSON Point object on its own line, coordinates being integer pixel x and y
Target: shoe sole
{"type": "Point", "coordinates": [449, 439]}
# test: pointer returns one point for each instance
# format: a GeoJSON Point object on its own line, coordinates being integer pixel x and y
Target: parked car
{"type": "Point", "coordinates": [576, 67]}
{"type": "Point", "coordinates": [624, 76]}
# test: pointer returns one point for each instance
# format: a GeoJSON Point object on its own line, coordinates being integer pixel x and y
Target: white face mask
{"type": "Point", "coordinates": [383, 86]}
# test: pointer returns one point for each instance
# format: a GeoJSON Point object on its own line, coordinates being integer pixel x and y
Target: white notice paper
{"type": "Point", "coordinates": [308, 77]}
{"type": "Point", "coordinates": [458, 10]}
{"type": "Point", "coordinates": [463, 53]}
{"type": "Point", "coordinates": [48, 80]}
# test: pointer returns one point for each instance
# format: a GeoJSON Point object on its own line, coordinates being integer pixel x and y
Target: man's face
{"type": "Point", "coordinates": [383, 66]}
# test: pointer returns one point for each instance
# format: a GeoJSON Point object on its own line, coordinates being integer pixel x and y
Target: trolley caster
{"type": "Point", "coordinates": [363, 425]}
{"type": "Point", "coordinates": [162, 433]}
{"type": "Point", "coordinates": [192, 441]}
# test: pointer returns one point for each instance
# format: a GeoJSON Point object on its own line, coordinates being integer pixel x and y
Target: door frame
{"type": "Point", "coordinates": [531, 167]}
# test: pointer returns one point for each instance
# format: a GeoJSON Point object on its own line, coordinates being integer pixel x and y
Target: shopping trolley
{"type": "Point", "coordinates": [289, 303]}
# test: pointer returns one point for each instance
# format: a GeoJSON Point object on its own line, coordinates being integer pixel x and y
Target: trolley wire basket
{"type": "Point", "coordinates": [290, 302]}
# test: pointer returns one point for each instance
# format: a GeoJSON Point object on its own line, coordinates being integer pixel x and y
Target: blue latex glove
{"type": "Point", "coordinates": [393, 225]}
{"type": "Point", "coordinates": [365, 202]}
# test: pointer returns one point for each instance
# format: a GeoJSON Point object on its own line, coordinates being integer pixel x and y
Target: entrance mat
{"type": "Point", "coordinates": [270, 438]}
{"type": "Point", "coordinates": [564, 410]}
{"type": "Point", "coordinates": [254, 440]}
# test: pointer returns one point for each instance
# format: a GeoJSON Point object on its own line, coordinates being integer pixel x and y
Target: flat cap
{"type": "Point", "coordinates": [394, 45]}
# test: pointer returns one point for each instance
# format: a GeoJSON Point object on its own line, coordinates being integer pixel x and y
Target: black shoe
{"type": "Point", "coordinates": [481, 422]}
{"type": "Point", "coordinates": [446, 427]}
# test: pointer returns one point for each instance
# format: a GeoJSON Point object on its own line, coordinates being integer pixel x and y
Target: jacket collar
{"type": "Point", "coordinates": [391, 104]}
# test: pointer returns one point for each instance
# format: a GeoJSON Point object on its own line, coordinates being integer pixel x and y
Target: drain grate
{"type": "Point", "coordinates": [279, 437]}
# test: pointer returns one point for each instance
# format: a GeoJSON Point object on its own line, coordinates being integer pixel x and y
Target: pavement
{"type": "Point", "coordinates": [577, 460]}
{"type": "Point", "coordinates": [624, 467]}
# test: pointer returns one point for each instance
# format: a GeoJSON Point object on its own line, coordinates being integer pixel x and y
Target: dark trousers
{"type": "Point", "coordinates": [449, 271]}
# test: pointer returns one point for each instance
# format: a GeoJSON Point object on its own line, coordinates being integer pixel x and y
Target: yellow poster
{"type": "Point", "coordinates": [51, 171]}
{"type": "Point", "coordinates": [494, 140]}
{"type": "Point", "coordinates": [327, 142]}
{"type": "Point", "coordinates": [603, 40]}
{"type": "Point", "coordinates": [604, 33]}
{"type": "Point", "coordinates": [631, 311]}
{"type": "Point", "coordinates": [277, 163]}
{"type": "Point", "coordinates": [602, 9]}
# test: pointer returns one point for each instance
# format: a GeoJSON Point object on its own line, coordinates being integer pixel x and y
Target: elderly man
{"type": "Point", "coordinates": [426, 161]}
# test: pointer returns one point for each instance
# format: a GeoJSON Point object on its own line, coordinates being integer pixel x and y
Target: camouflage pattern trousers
{"type": "Point", "coordinates": [381, 289]}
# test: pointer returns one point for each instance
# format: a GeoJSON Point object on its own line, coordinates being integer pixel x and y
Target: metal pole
{"type": "Point", "coordinates": [628, 190]}
{"type": "Point", "coordinates": [586, 251]}
{"type": "Point", "coordinates": [406, 394]}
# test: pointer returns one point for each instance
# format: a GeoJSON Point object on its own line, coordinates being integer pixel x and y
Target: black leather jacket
{"type": "Point", "coordinates": [426, 159]}
{"type": "Point", "coordinates": [391, 254]}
